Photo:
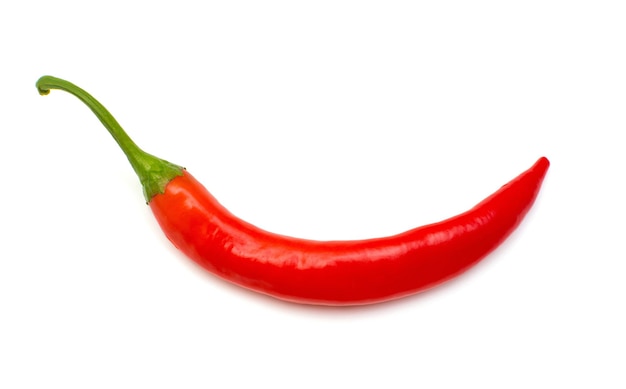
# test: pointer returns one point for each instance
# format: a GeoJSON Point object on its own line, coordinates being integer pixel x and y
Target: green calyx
{"type": "Point", "coordinates": [154, 173]}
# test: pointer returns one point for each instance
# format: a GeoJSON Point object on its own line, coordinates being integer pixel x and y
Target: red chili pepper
{"type": "Point", "coordinates": [308, 271]}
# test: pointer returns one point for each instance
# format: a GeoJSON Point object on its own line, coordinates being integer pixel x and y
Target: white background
{"type": "Point", "coordinates": [327, 120]}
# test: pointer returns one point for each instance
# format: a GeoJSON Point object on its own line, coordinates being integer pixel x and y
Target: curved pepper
{"type": "Point", "coordinates": [308, 271]}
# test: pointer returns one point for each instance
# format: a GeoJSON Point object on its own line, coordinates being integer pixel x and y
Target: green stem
{"type": "Point", "coordinates": [154, 173]}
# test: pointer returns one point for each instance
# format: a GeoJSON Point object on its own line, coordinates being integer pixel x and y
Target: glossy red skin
{"type": "Point", "coordinates": [339, 272]}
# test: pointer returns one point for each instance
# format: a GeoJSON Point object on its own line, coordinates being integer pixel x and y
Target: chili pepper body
{"type": "Point", "coordinates": [339, 272]}
{"type": "Point", "coordinates": [307, 271]}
